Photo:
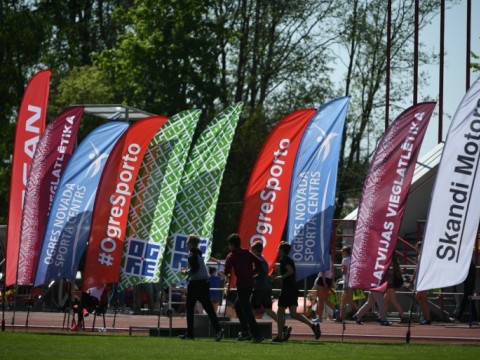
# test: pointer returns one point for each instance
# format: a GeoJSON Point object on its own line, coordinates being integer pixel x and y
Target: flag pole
{"type": "Point", "coordinates": [115, 307]}
{"type": "Point", "coordinates": [225, 294]}
{"type": "Point", "coordinates": [28, 307]}
{"type": "Point", "coordinates": [4, 297]}
{"type": "Point", "coordinates": [162, 272]}
{"type": "Point", "coordinates": [344, 302]}
{"type": "Point", "coordinates": [407, 335]}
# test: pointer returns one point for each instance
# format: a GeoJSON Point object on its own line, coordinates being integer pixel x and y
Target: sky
{"type": "Point", "coordinates": [455, 68]}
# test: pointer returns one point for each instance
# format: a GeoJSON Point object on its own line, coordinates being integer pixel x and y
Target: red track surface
{"type": "Point", "coordinates": [437, 332]}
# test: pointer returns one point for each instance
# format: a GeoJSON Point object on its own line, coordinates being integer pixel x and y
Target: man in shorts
{"type": "Point", "coordinates": [262, 289]}
{"type": "Point", "coordinates": [289, 294]}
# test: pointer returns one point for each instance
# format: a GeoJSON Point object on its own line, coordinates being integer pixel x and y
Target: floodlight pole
{"type": "Point", "coordinates": [387, 79]}
{"type": "Point", "coordinates": [442, 62]}
{"type": "Point", "coordinates": [468, 47]}
{"type": "Point", "coordinates": [415, 55]}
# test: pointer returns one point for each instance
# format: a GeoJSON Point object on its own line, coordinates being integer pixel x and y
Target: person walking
{"type": "Point", "coordinates": [323, 284]}
{"type": "Point", "coordinates": [198, 289]}
{"type": "Point", "coordinates": [421, 296]}
{"type": "Point", "coordinates": [243, 262]}
{"type": "Point", "coordinates": [289, 295]}
{"type": "Point", "coordinates": [347, 295]}
{"type": "Point", "coordinates": [262, 289]}
{"type": "Point", "coordinates": [373, 297]}
{"type": "Point", "coordinates": [468, 290]}
{"type": "Point", "coordinates": [394, 282]}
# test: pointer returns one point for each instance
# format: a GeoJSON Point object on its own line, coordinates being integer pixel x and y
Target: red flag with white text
{"type": "Point", "coordinates": [30, 125]}
{"type": "Point", "coordinates": [110, 212]}
{"type": "Point", "coordinates": [384, 196]}
{"type": "Point", "coordinates": [265, 204]}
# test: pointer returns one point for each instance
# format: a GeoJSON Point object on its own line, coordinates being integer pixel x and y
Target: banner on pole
{"type": "Point", "coordinates": [196, 201]}
{"type": "Point", "coordinates": [53, 153]}
{"type": "Point", "coordinates": [312, 193]}
{"type": "Point", "coordinates": [384, 196]}
{"type": "Point", "coordinates": [110, 212]}
{"type": "Point", "coordinates": [452, 222]}
{"type": "Point", "coordinates": [265, 204]}
{"type": "Point", "coordinates": [153, 200]}
{"type": "Point", "coordinates": [30, 125]}
{"type": "Point", "coordinates": [70, 216]}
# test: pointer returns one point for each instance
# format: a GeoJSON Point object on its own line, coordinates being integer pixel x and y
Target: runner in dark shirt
{"type": "Point", "coordinates": [243, 263]}
{"type": "Point", "coordinates": [289, 294]}
{"type": "Point", "coordinates": [198, 289]}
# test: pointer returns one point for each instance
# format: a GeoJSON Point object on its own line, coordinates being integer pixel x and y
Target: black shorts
{"type": "Point", "coordinates": [328, 282]}
{"type": "Point", "coordinates": [288, 297]}
{"type": "Point", "coordinates": [261, 299]}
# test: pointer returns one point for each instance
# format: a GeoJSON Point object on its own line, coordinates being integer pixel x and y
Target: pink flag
{"type": "Point", "coordinates": [51, 157]}
{"type": "Point", "coordinates": [384, 197]}
{"type": "Point", "coordinates": [30, 125]}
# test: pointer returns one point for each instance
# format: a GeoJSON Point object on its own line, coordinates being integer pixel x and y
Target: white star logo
{"type": "Point", "coordinates": [97, 159]}
{"type": "Point", "coordinates": [325, 142]}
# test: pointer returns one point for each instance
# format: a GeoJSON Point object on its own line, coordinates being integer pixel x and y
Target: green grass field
{"type": "Point", "coordinates": [47, 346]}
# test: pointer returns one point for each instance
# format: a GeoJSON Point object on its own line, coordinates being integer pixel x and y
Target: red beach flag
{"type": "Point", "coordinates": [265, 204]}
{"type": "Point", "coordinates": [110, 212]}
{"type": "Point", "coordinates": [30, 125]}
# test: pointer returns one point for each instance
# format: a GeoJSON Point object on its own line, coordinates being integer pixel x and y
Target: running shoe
{"type": "Point", "coordinates": [219, 335]}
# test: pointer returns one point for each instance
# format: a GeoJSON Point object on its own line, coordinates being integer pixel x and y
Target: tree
{"type": "Point", "coordinates": [476, 66]}
{"type": "Point", "coordinates": [174, 55]}
{"type": "Point", "coordinates": [21, 36]}
{"type": "Point", "coordinates": [166, 60]}
{"type": "Point", "coordinates": [274, 59]}
{"type": "Point", "coordinates": [168, 56]}
{"type": "Point", "coordinates": [364, 40]}
{"type": "Point", "coordinates": [272, 48]}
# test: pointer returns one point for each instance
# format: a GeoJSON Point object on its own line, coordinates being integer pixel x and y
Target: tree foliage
{"type": "Point", "coordinates": [19, 60]}
{"type": "Point", "coordinates": [364, 38]}
{"type": "Point", "coordinates": [171, 55]}
{"type": "Point", "coordinates": [476, 66]}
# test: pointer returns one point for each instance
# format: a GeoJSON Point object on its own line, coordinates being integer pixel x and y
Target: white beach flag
{"type": "Point", "coordinates": [452, 221]}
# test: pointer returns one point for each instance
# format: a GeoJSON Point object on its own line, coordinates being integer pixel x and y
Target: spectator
{"type": "Point", "coordinates": [323, 283]}
{"type": "Point", "coordinates": [215, 283]}
{"type": "Point", "coordinates": [347, 295]}
{"type": "Point", "coordinates": [394, 282]}
{"type": "Point", "coordinates": [421, 296]}
{"type": "Point", "coordinates": [88, 302]}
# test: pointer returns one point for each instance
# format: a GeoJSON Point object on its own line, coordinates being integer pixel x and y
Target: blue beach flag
{"type": "Point", "coordinates": [312, 193]}
{"type": "Point", "coordinates": [70, 216]}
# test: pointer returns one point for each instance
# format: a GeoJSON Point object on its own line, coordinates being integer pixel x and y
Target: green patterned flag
{"type": "Point", "coordinates": [153, 200]}
{"type": "Point", "coordinates": [196, 202]}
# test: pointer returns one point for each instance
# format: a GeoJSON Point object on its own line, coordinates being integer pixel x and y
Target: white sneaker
{"type": "Point", "coordinates": [317, 320]}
